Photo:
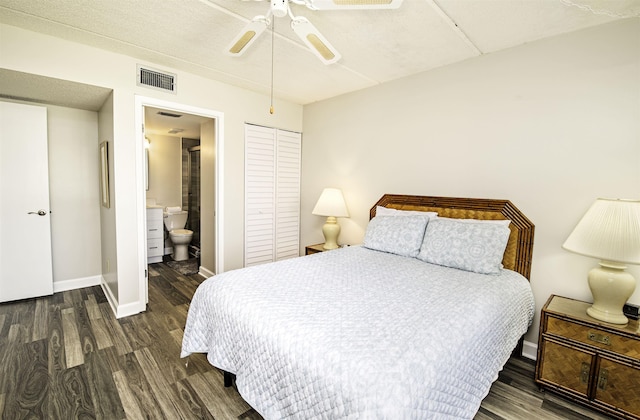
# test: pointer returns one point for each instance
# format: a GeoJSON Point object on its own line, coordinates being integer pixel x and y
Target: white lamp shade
{"type": "Point", "coordinates": [610, 230]}
{"type": "Point", "coordinates": [331, 203]}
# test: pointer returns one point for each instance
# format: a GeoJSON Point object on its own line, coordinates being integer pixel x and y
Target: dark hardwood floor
{"type": "Point", "coordinates": [65, 356]}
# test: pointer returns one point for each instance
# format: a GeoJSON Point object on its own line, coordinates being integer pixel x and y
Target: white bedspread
{"type": "Point", "coordinates": [359, 334]}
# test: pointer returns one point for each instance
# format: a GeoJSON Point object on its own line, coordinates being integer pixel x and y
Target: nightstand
{"type": "Point", "coordinates": [314, 249]}
{"type": "Point", "coordinates": [587, 360]}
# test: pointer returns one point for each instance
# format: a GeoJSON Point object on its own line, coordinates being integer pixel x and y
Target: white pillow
{"type": "Point", "coordinates": [396, 235]}
{"type": "Point", "coordinates": [386, 211]}
{"type": "Point", "coordinates": [466, 244]}
{"type": "Point", "coordinates": [504, 222]}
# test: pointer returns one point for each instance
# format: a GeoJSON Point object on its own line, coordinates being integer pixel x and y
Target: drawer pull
{"type": "Point", "coordinates": [152, 230]}
{"type": "Point", "coordinates": [153, 247]}
{"type": "Point", "coordinates": [584, 372]}
{"type": "Point", "coordinates": [602, 379]}
{"type": "Point", "coordinates": [599, 338]}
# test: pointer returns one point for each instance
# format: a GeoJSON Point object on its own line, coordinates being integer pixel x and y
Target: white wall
{"type": "Point", "coordinates": [165, 170]}
{"type": "Point", "coordinates": [44, 55]}
{"type": "Point", "coordinates": [74, 194]}
{"type": "Point", "coordinates": [108, 243]}
{"type": "Point", "coordinates": [208, 197]}
{"type": "Point", "coordinates": [550, 125]}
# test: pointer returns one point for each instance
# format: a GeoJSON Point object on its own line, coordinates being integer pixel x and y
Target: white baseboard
{"type": "Point", "coordinates": [113, 302]}
{"type": "Point", "coordinates": [120, 311]}
{"type": "Point", "coordinates": [129, 309]}
{"type": "Point", "coordinates": [79, 283]}
{"type": "Point", "coordinates": [529, 350]}
{"type": "Point", "coordinates": [205, 273]}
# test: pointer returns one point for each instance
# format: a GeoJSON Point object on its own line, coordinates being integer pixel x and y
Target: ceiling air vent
{"type": "Point", "coordinates": [169, 114]}
{"type": "Point", "coordinates": [156, 79]}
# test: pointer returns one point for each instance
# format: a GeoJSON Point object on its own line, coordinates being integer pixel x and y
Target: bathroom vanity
{"type": "Point", "coordinates": [155, 235]}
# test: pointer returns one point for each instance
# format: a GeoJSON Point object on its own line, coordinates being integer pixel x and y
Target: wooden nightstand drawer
{"type": "Point", "coordinates": [588, 360]}
{"type": "Point", "coordinates": [618, 384]}
{"type": "Point", "coordinates": [566, 367]}
{"type": "Point", "coordinates": [314, 249]}
{"type": "Point", "coordinates": [591, 336]}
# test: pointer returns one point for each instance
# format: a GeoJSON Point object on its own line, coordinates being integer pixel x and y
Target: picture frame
{"type": "Point", "coordinates": [104, 174]}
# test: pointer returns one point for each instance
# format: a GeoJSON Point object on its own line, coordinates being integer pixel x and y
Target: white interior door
{"type": "Point", "coordinates": [25, 221]}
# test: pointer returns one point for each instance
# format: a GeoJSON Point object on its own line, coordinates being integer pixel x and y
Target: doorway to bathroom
{"type": "Point", "coordinates": [173, 142]}
{"type": "Point", "coordinates": [182, 164]}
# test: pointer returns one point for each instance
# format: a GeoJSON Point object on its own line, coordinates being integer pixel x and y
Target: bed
{"type": "Point", "coordinates": [415, 323]}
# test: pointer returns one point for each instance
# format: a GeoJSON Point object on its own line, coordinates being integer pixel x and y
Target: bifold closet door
{"type": "Point", "coordinates": [288, 157]}
{"type": "Point", "coordinates": [272, 194]}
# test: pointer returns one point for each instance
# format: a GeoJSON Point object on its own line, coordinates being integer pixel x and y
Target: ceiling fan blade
{"type": "Point", "coordinates": [316, 42]}
{"type": "Point", "coordinates": [353, 4]}
{"type": "Point", "coordinates": [247, 36]}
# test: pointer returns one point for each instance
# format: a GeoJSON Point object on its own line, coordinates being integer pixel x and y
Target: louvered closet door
{"type": "Point", "coordinates": [260, 195]}
{"type": "Point", "coordinates": [287, 195]}
{"type": "Point", "coordinates": [272, 194]}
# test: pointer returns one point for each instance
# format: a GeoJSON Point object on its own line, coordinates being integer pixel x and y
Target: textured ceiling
{"type": "Point", "coordinates": [376, 45]}
{"type": "Point", "coordinates": [46, 90]}
{"type": "Point", "coordinates": [176, 124]}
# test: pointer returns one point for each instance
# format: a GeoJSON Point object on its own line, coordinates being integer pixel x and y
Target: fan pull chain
{"type": "Point", "coordinates": [273, 29]}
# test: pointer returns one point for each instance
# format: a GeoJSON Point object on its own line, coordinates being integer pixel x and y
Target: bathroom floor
{"type": "Point", "coordinates": [186, 267]}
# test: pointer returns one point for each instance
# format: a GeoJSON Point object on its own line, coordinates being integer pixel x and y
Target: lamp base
{"type": "Point", "coordinates": [610, 286]}
{"type": "Point", "coordinates": [331, 230]}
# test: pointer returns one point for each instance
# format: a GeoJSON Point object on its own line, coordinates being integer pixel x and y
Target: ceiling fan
{"type": "Point", "coordinates": [308, 33]}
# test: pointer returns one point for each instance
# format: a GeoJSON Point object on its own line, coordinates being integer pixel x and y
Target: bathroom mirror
{"type": "Point", "coordinates": [146, 168]}
{"type": "Point", "coordinates": [147, 145]}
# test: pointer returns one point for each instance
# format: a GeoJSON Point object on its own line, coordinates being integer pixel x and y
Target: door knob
{"type": "Point", "coordinates": [39, 212]}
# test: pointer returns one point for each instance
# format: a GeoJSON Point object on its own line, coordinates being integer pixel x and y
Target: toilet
{"type": "Point", "coordinates": [175, 220]}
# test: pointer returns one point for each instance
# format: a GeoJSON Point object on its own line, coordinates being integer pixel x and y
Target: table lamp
{"type": "Point", "coordinates": [610, 231]}
{"type": "Point", "coordinates": [331, 204]}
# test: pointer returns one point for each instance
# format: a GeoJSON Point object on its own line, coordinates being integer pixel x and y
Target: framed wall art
{"type": "Point", "coordinates": [104, 174]}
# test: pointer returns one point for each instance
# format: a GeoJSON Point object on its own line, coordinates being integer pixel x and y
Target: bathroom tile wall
{"type": "Point", "coordinates": [191, 193]}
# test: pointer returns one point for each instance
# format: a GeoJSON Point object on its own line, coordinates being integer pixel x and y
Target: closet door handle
{"type": "Point", "coordinates": [39, 212]}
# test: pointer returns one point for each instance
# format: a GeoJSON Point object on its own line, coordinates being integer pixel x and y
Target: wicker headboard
{"type": "Point", "coordinates": [517, 256]}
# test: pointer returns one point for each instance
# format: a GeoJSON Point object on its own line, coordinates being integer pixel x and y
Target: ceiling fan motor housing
{"type": "Point", "coordinates": [279, 8]}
